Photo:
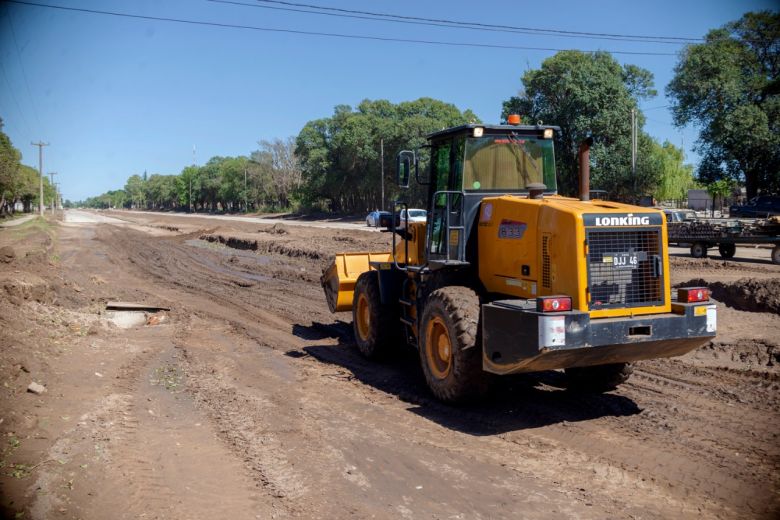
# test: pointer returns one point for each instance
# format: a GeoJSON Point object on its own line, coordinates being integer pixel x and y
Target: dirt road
{"type": "Point", "coordinates": [248, 398]}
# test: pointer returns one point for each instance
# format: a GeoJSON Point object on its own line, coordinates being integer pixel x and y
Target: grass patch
{"type": "Point", "coordinates": [19, 471]}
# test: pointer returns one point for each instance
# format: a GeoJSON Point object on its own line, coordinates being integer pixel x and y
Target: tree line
{"type": "Point", "coordinates": [728, 86]}
{"type": "Point", "coordinates": [268, 179]}
{"type": "Point", "coordinates": [19, 183]}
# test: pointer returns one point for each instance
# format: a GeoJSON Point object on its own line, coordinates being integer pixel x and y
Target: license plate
{"type": "Point", "coordinates": [625, 261]}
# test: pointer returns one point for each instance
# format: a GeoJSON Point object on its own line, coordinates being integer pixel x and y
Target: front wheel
{"type": "Point", "coordinates": [600, 378]}
{"type": "Point", "coordinates": [375, 325]}
{"type": "Point", "coordinates": [451, 345]}
{"type": "Point", "coordinates": [776, 255]}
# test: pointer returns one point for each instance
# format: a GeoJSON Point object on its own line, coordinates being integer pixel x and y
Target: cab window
{"type": "Point", "coordinates": [508, 162]}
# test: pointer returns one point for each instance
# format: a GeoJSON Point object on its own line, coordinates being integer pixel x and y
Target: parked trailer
{"type": "Point", "coordinates": [726, 235]}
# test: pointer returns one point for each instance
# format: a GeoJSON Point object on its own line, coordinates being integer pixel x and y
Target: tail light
{"type": "Point", "coordinates": [553, 304]}
{"type": "Point", "coordinates": [693, 294]}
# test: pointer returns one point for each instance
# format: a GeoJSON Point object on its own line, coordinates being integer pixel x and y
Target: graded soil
{"type": "Point", "coordinates": [248, 399]}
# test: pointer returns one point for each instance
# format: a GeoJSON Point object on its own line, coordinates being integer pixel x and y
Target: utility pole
{"type": "Point", "coordinates": [246, 203]}
{"type": "Point", "coordinates": [51, 181]}
{"type": "Point", "coordinates": [57, 202]}
{"type": "Point", "coordinates": [190, 199]}
{"type": "Point", "coordinates": [382, 155]}
{"type": "Point", "coordinates": [40, 145]}
{"type": "Point", "coordinates": [633, 147]}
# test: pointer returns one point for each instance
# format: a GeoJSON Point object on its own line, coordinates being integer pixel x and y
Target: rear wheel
{"type": "Point", "coordinates": [451, 345]}
{"type": "Point", "coordinates": [375, 325]}
{"type": "Point", "coordinates": [600, 378]}
{"type": "Point", "coordinates": [727, 250]}
{"type": "Point", "coordinates": [699, 250]}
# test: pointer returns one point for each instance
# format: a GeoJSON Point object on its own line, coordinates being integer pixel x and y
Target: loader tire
{"type": "Point", "coordinates": [451, 345]}
{"type": "Point", "coordinates": [600, 378]}
{"type": "Point", "coordinates": [375, 325]}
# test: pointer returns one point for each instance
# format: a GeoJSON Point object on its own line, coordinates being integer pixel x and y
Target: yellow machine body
{"type": "Point", "coordinates": [496, 228]}
{"type": "Point", "coordinates": [536, 247]}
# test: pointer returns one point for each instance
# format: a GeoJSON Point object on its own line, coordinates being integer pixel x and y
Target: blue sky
{"type": "Point", "coordinates": [117, 96]}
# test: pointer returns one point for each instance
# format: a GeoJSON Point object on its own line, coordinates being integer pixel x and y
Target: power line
{"type": "Point", "coordinates": [453, 25]}
{"type": "Point", "coordinates": [317, 33]}
{"type": "Point", "coordinates": [675, 39]}
{"type": "Point", "coordinates": [21, 65]}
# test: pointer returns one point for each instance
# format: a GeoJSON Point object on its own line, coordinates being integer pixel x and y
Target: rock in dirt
{"type": "Point", "coordinates": [35, 388]}
{"type": "Point", "coordinates": [7, 254]}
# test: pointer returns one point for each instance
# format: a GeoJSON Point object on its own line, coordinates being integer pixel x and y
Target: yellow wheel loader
{"type": "Point", "coordinates": [506, 276]}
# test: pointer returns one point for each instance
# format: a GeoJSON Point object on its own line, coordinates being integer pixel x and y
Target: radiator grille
{"type": "Point", "coordinates": [546, 277]}
{"type": "Point", "coordinates": [615, 287]}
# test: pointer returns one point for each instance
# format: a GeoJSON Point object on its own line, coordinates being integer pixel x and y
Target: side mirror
{"type": "Point", "coordinates": [403, 166]}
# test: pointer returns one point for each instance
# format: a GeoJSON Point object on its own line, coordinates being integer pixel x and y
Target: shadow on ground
{"type": "Point", "coordinates": [514, 403]}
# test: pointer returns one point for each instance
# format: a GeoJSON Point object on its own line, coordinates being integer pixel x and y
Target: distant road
{"type": "Point", "coordinates": [255, 220]}
{"type": "Point", "coordinates": [18, 221]}
{"type": "Point", "coordinates": [76, 216]}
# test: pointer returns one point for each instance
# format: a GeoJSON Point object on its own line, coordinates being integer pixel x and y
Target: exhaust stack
{"type": "Point", "coordinates": [584, 156]}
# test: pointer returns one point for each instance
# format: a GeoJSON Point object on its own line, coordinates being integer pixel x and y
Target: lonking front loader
{"type": "Point", "coordinates": [506, 276]}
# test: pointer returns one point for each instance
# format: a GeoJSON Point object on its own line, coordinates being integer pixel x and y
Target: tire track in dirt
{"type": "Point", "coordinates": [681, 465]}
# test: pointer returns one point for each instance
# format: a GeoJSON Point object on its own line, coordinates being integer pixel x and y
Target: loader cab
{"type": "Point", "coordinates": [471, 162]}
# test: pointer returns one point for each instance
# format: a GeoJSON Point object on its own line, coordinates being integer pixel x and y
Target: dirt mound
{"type": "Point", "coordinates": [745, 294]}
{"type": "Point", "coordinates": [7, 254]}
{"type": "Point", "coordinates": [716, 264]}
{"type": "Point", "coordinates": [240, 241]}
{"type": "Point", "coordinates": [24, 286]}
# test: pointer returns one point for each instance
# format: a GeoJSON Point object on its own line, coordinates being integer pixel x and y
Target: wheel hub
{"type": "Point", "coordinates": [439, 348]}
{"type": "Point", "coordinates": [363, 317]}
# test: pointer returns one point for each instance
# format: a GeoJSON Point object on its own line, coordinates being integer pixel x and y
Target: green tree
{"type": "Point", "coordinates": [590, 94]}
{"type": "Point", "coordinates": [729, 87]}
{"type": "Point", "coordinates": [674, 177]}
{"type": "Point", "coordinates": [9, 171]}
{"type": "Point", "coordinates": [719, 190]}
{"type": "Point", "coordinates": [136, 192]}
{"type": "Point", "coordinates": [340, 156]}
{"type": "Point", "coordinates": [188, 187]}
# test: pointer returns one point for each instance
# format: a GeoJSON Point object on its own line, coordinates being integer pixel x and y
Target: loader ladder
{"type": "Point", "coordinates": [446, 244]}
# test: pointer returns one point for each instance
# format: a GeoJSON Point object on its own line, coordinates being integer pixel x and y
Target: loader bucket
{"type": "Point", "coordinates": [338, 279]}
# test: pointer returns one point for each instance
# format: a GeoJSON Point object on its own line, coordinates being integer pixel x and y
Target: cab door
{"type": "Point", "coordinates": [446, 201]}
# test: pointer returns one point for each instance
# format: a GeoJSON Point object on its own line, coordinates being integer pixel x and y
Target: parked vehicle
{"type": "Point", "coordinates": [762, 206]}
{"type": "Point", "coordinates": [378, 219]}
{"type": "Point", "coordinates": [412, 215]}
{"type": "Point", "coordinates": [679, 215]}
